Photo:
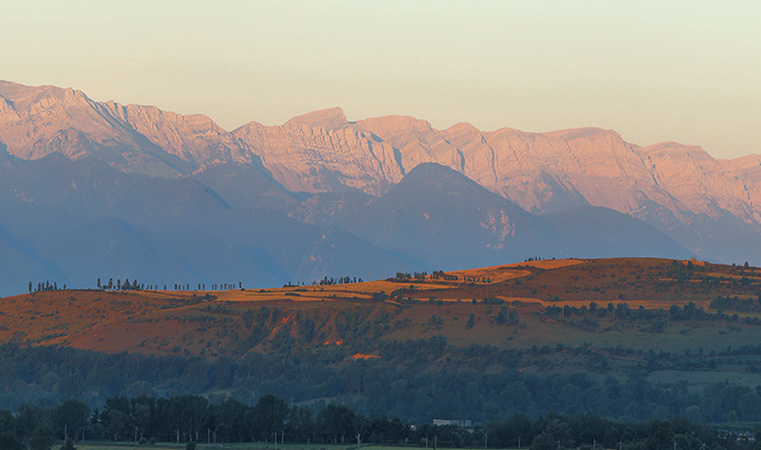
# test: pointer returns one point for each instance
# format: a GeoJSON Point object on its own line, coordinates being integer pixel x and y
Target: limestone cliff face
{"type": "Point", "coordinates": [545, 172]}
{"type": "Point", "coordinates": [541, 172]}
{"type": "Point", "coordinates": [552, 171]}
{"type": "Point", "coordinates": [36, 121]}
{"type": "Point", "coordinates": [417, 141]}
{"type": "Point", "coordinates": [703, 184]}
{"type": "Point", "coordinates": [322, 152]}
{"type": "Point", "coordinates": [194, 138]}
{"type": "Point", "coordinates": [746, 170]}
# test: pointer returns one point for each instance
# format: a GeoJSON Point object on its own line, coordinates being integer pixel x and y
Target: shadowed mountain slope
{"type": "Point", "coordinates": [323, 169]}
{"type": "Point", "coordinates": [608, 233]}
{"type": "Point", "coordinates": [247, 186]}
{"type": "Point", "coordinates": [75, 221]}
{"type": "Point", "coordinates": [679, 189]}
{"type": "Point", "coordinates": [438, 216]}
{"type": "Point", "coordinates": [448, 221]}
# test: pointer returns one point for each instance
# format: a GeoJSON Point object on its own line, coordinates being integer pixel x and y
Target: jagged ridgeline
{"type": "Point", "coordinates": [662, 337]}
{"type": "Point", "coordinates": [91, 189]}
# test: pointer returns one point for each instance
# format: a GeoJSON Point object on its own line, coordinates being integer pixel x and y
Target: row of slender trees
{"type": "Point", "coordinates": [44, 286]}
{"type": "Point", "coordinates": [134, 285]}
{"type": "Point", "coordinates": [126, 285]}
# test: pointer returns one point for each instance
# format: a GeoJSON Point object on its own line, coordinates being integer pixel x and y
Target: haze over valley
{"type": "Point", "coordinates": [133, 191]}
{"type": "Point", "coordinates": [407, 225]}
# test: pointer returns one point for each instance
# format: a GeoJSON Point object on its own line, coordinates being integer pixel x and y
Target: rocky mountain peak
{"type": "Point", "coordinates": [584, 133]}
{"type": "Point", "coordinates": [329, 119]}
{"type": "Point", "coordinates": [322, 152]}
{"type": "Point", "coordinates": [672, 149]}
{"type": "Point", "coordinates": [37, 121]}
{"type": "Point", "coordinates": [462, 127]}
{"type": "Point", "coordinates": [390, 125]}
{"type": "Point", "coordinates": [41, 98]}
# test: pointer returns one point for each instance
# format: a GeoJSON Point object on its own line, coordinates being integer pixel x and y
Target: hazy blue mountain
{"type": "Point", "coordinates": [91, 188]}
{"type": "Point", "coordinates": [598, 232]}
{"type": "Point", "coordinates": [322, 195]}
{"type": "Point", "coordinates": [440, 217]}
{"type": "Point", "coordinates": [6, 160]}
{"type": "Point", "coordinates": [247, 186]}
{"type": "Point", "coordinates": [44, 243]}
{"type": "Point", "coordinates": [327, 208]}
{"type": "Point", "coordinates": [74, 221]}
{"type": "Point", "coordinates": [21, 262]}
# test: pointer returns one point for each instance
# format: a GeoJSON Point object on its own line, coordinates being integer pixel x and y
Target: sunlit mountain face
{"type": "Point", "coordinates": [91, 187]}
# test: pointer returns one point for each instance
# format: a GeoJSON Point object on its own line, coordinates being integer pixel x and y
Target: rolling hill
{"type": "Point", "coordinates": [553, 335]}
{"type": "Point", "coordinates": [401, 307]}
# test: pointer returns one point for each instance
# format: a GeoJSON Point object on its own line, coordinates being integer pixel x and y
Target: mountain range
{"type": "Point", "coordinates": [97, 189]}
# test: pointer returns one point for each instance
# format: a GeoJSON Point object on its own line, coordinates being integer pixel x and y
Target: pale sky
{"type": "Point", "coordinates": [687, 71]}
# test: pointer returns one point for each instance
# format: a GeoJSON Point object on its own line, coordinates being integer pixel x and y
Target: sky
{"type": "Point", "coordinates": [654, 71]}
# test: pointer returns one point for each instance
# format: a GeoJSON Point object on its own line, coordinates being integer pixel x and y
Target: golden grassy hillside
{"type": "Point", "coordinates": [233, 322]}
